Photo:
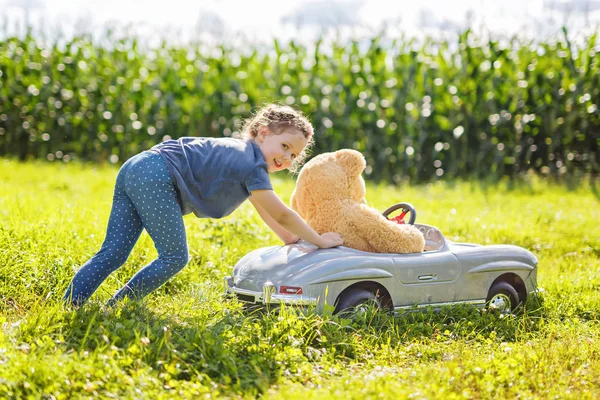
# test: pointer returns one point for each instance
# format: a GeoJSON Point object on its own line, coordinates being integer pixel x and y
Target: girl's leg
{"type": "Point", "coordinates": [152, 192]}
{"type": "Point", "coordinates": [124, 229]}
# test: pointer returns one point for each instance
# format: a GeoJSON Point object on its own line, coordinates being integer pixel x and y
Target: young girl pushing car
{"type": "Point", "coordinates": [210, 177]}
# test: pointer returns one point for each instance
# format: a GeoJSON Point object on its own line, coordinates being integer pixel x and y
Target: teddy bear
{"type": "Point", "coordinates": [330, 196]}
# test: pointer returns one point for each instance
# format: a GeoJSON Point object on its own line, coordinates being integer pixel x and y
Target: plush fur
{"type": "Point", "coordinates": [330, 196]}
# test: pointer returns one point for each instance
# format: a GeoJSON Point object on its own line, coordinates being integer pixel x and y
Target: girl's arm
{"type": "Point", "coordinates": [289, 220]}
{"type": "Point", "coordinates": [283, 234]}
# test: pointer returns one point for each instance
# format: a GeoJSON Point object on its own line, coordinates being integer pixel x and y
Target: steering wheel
{"type": "Point", "coordinates": [406, 208]}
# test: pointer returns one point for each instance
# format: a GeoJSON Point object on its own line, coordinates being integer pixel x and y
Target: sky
{"type": "Point", "coordinates": [263, 19]}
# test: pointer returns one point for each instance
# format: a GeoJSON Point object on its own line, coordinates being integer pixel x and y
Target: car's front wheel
{"type": "Point", "coordinates": [357, 300]}
{"type": "Point", "coordinates": [502, 298]}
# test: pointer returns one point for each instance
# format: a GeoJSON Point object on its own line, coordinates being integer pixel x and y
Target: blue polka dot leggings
{"type": "Point", "coordinates": [144, 197]}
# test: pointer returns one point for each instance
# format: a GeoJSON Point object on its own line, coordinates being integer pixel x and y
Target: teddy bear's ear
{"type": "Point", "coordinates": [353, 162]}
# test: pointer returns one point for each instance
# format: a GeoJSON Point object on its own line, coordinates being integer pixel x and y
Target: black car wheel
{"type": "Point", "coordinates": [356, 300]}
{"type": "Point", "coordinates": [502, 298]}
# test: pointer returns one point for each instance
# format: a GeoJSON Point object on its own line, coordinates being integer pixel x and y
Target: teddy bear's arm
{"type": "Point", "coordinates": [386, 236]}
{"type": "Point", "coordinates": [294, 202]}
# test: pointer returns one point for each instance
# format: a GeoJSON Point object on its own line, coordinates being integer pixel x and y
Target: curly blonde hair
{"type": "Point", "coordinates": [278, 118]}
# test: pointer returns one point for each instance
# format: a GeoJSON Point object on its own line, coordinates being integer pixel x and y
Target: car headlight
{"type": "Point", "coordinates": [268, 291]}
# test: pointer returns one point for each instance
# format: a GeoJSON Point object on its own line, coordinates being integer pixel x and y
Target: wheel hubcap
{"type": "Point", "coordinates": [500, 302]}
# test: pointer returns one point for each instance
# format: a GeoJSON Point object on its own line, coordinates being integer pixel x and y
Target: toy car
{"type": "Point", "coordinates": [446, 273]}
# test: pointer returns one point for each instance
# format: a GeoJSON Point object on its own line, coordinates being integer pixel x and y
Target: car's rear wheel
{"type": "Point", "coordinates": [502, 298]}
{"type": "Point", "coordinates": [357, 300]}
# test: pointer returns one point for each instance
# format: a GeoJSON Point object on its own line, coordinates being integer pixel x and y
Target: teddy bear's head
{"type": "Point", "coordinates": [329, 176]}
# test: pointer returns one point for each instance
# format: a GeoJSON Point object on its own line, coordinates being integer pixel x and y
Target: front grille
{"type": "Point", "coordinates": [246, 297]}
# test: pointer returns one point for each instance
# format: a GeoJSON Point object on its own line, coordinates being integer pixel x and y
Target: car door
{"type": "Point", "coordinates": [425, 278]}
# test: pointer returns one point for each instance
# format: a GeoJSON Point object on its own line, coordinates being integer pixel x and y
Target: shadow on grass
{"type": "Point", "coordinates": [594, 183]}
{"type": "Point", "coordinates": [247, 352]}
{"type": "Point", "coordinates": [179, 350]}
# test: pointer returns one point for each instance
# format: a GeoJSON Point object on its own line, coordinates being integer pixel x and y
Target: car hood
{"type": "Point", "coordinates": [278, 263]}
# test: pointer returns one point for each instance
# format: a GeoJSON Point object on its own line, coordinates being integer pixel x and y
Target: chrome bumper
{"type": "Point", "coordinates": [269, 295]}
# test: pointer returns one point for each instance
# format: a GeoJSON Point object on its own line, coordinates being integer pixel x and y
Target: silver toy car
{"type": "Point", "coordinates": [446, 273]}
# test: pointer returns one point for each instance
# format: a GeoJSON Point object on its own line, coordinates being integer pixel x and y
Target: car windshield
{"type": "Point", "coordinates": [434, 240]}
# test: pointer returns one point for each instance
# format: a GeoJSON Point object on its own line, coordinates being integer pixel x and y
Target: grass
{"type": "Point", "coordinates": [186, 341]}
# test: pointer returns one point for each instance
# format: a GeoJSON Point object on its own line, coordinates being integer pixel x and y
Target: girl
{"type": "Point", "coordinates": [210, 177]}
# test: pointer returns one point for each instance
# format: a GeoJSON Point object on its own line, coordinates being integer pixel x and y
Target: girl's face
{"type": "Point", "coordinates": [280, 150]}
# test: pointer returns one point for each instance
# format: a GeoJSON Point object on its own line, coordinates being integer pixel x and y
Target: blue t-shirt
{"type": "Point", "coordinates": [213, 176]}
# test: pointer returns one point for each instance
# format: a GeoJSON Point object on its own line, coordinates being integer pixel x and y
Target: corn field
{"type": "Point", "coordinates": [468, 108]}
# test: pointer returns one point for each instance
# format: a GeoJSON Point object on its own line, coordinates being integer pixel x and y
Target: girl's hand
{"type": "Point", "coordinates": [331, 239]}
{"type": "Point", "coordinates": [283, 220]}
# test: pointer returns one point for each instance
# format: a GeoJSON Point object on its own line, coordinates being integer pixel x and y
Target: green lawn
{"type": "Point", "coordinates": [185, 340]}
